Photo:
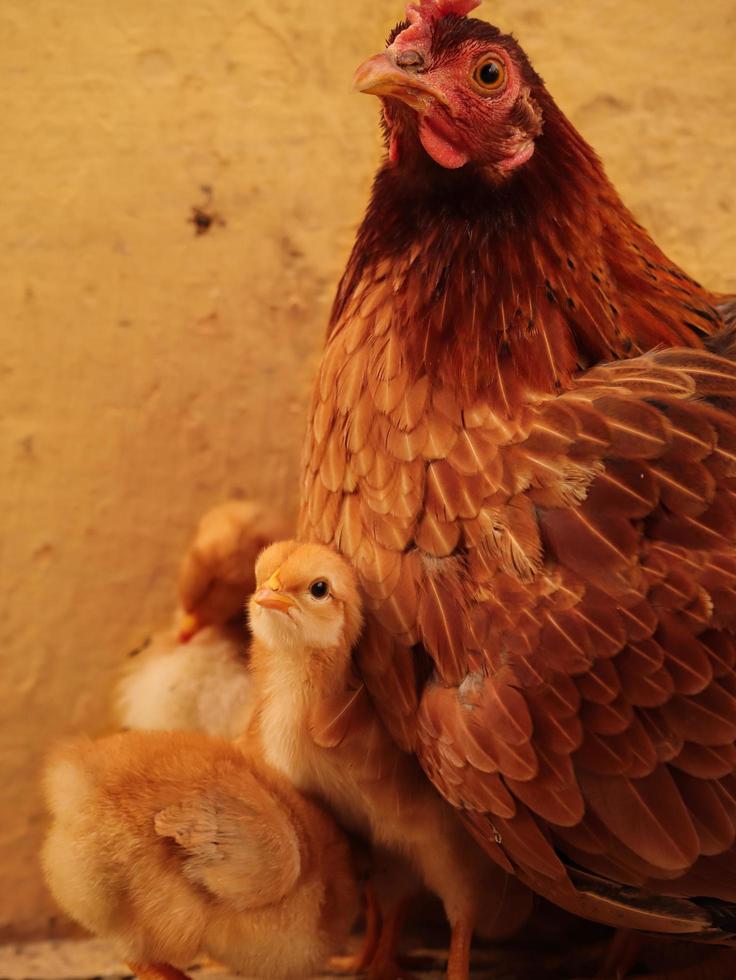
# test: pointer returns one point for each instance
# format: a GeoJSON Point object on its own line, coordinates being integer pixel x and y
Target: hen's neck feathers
{"type": "Point", "coordinates": [512, 288]}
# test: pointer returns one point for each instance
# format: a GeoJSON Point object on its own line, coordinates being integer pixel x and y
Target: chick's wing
{"type": "Point", "coordinates": [245, 853]}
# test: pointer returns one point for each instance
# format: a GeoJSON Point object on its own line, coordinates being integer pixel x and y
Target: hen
{"type": "Point", "coordinates": [175, 844]}
{"type": "Point", "coordinates": [522, 435]}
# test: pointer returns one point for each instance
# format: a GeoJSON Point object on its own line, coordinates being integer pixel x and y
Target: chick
{"type": "Point", "coordinates": [194, 676]}
{"type": "Point", "coordinates": [316, 724]}
{"type": "Point", "coordinates": [202, 685]}
{"type": "Point", "coordinates": [175, 844]}
{"type": "Point", "coordinates": [217, 572]}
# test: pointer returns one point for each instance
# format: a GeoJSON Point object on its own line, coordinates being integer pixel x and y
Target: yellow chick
{"type": "Point", "coordinates": [175, 844]}
{"type": "Point", "coordinates": [194, 676]}
{"type": "Point", "coordinates": [203, 685]}
{"type": "Point", "coordinates": [316, 724]}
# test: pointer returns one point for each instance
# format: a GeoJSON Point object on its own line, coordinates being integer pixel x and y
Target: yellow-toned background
{"type": "Point", "coordinates": [146, 373]}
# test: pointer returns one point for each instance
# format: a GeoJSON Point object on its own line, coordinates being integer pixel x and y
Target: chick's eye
{"type": "Point", "coordinates": [489, 74]}
{"type": "Point", "coordinates": [319, 589]}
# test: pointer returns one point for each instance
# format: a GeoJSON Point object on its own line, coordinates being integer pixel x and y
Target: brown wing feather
{"type": "Point", "coordinates": [653, 696]}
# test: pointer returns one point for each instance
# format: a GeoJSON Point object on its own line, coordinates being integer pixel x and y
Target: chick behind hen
{"type": "Point", "coordinates": [194, 675]}
{"type": "Point", "coordinates": [203, 685]}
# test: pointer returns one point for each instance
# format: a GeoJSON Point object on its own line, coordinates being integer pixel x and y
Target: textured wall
{"type": "Point", "coordinates": [146, 372]}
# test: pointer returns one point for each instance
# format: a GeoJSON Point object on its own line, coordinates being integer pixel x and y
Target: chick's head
{"type": "Point", "coordinates": [217, 571]}
{"type": "Point", "coordinates": [306, 597]}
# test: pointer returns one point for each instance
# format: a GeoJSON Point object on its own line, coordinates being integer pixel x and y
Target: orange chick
{"type": "Point", "coordinates": [216, 574]}
{"type": "Point", "coordinates": [316, 724]}
{"type": "Point", "coordinates": [174, 845]}
{"type": "Point", "coordinates": [194, 676]}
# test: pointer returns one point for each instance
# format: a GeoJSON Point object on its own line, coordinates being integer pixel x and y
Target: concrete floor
{"type": "Point", "coordinates": [93, 959]}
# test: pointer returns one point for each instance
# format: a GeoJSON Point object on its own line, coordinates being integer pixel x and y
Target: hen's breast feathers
{"type": "Point", "coordinates": [550, 594]}
{"type": "Point", "coordinates": [511, 292]}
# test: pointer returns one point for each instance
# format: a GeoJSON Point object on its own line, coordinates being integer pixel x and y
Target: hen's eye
{"type": "Point", "coordinates": [319, 589]}
{"type": "Point", "coordinates": [489, 75]}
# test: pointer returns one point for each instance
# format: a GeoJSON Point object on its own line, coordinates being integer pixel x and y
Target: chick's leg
{"type": "Point", "coordinates": [385, 964]}
{"type": "Point", "coordinates": [360, 960]}
{"type": "Point", "coordinates": [458, 962]}
{"type": "Point", "coordinates": [156, 971]}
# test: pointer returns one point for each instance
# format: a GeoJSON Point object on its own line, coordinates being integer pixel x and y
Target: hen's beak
{"type": "Point", "coordinates": [271, 599]}
{"type": "Point", "coordinates": [380, 75]}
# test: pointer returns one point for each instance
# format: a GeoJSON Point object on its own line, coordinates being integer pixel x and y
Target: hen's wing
{"type": "Point", "coordinates": [552, 601]}
{"type": "Point", "coordinates": [244, 851]}
{"type": "Point", "coordinates": [594, 713]}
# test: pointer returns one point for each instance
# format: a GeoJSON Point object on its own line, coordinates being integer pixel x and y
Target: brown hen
{"type": "Point", "coordinates": [547, 541]}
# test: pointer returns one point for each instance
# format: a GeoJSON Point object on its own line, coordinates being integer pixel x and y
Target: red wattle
{"type": "Point", "coordinates": [439, 147]}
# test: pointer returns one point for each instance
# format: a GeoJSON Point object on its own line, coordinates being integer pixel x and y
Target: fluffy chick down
{"type": "Point", "coordinates": [203, 685]}
{"type": "Point", "coordinates": [174, 845]}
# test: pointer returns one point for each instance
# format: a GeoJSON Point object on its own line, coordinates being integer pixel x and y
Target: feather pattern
{"type": "Point", "coordinates": [592, 594]}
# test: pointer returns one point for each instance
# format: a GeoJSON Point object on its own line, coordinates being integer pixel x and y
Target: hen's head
{"type": "Point", "coordinates": [458, 87]}
{"type": "Point", "coordinates": [306, 597]}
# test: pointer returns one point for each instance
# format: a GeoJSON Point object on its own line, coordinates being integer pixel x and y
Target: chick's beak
{"type": "Point", "coordinates": [380, 75]}
{"type": "Point", "coordinates": [190, 627]}
{"type": "Point", "coordinates": [271, 599]}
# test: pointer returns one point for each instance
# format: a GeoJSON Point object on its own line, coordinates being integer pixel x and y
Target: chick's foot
{"type": "Point", "coordinates": [385, 964]}
{"type": "Point", "coordinates": [458, 963]}
{"type": "Point", "coordinates": [358, 962]}
{"type": "Point", "coordinates": [156, 971]}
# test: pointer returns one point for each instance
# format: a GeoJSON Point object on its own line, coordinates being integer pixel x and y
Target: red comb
{"type": "Point", "coordinates": [434, 9]}
{"type": "Point", "coordinates": [423, 13]}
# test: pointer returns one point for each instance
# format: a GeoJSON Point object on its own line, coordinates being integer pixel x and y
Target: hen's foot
{"type": "Point", "coordinates": [621, 954]}
{"type": "Point", "coordinates": [389, 970]}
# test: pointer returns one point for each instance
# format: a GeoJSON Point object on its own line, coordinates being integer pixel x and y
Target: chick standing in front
{"type": "Point", "coordinates": [177, 844]}
{"type": "Point", "coordinates": [315, 723]}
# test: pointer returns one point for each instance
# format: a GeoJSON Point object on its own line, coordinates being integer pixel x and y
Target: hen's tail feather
{"type": "Point", "coordinates": [713, 921]}
{"type": "Point", "coordinates": [722, 916]}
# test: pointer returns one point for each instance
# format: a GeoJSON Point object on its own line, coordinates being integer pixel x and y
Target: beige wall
{"type": "Point", "coordinates": [145, 372]}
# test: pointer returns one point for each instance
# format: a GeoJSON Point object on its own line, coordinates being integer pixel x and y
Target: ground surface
{"type": "Point", "coordinates": [94, 960]}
